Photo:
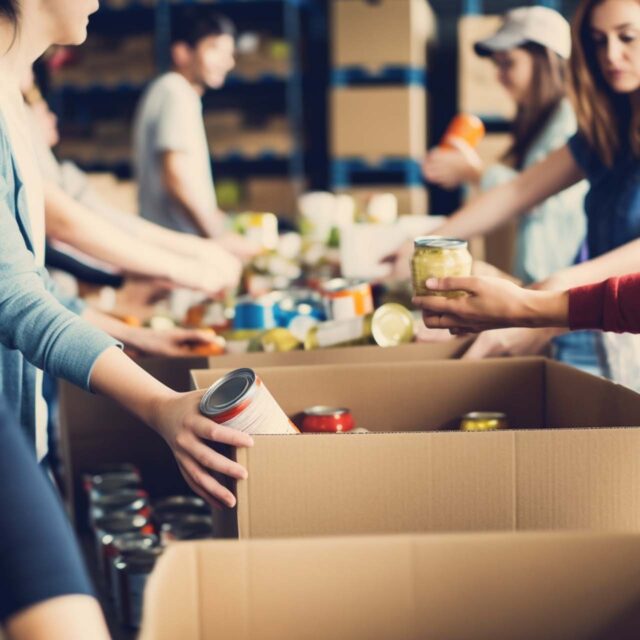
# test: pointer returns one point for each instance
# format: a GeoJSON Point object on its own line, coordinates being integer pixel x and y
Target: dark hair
{"type": "Point", "coordinates": [192, 24]}
{"type": "Point", "coordinates": [547, 91]}
{"type": "Point", "coordinates": [10, 9]}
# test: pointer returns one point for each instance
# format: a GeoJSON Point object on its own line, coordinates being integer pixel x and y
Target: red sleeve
{"type": "Point", "coordinates": [613, 305]}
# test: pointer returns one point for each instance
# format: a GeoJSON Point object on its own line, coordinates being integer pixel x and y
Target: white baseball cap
{"type": "Point", "coordinates": [539, 25]}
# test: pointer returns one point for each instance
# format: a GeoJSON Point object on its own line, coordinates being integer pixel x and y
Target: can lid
{"type": "Point", "coordinates": [438, 242]}
{"type": "Point", "coordinates": [181, 502]}
{"type": "Point", "coordinates": [140, 559]}
{"type": "Point", "coordinates": [119, 522]}
{"type": "Point", "coordinates": [391, 325]}
{"type": "Point", "coordinates": [485, 415]}
{"type": "Point", "coordinates": [127, 498]}
{"type": "Point", "coordinates": [321, 410]}
{"type": "Point", "coordinates": [228, 392]}
{"type": "Point", "coordinates": [190, 527]}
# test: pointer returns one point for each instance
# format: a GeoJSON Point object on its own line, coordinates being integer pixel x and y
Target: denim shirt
{"type": "Point", "coordinates": [549, 236]}
{"type": "Point", "coordinates": [38, 327]}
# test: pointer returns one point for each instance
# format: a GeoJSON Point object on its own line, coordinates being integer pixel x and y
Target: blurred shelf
{"type": "Point", "coordinates": [346, 172]}
{"type": "Point", "coordinates": [353, 76]}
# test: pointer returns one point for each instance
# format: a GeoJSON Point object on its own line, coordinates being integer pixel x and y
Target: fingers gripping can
{"type": "Point", "coordinates": [241, 400]}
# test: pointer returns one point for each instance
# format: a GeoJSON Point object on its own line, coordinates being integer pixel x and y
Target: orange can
{"type": "Point", "coordinates": [345, 299]}
{"type": "Point", "coordinates": [465, 126]}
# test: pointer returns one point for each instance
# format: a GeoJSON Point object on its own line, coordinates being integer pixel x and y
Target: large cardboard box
{"type": "Point", "coordinates": [375, 35]}
{"type": "Point", "coordinates": [378, 122]}
{"type": "Point", "coordinates": [479, 91]}
{"type": "Point", "coordinates": [566, 464]}
{"type": "Point", "coordinates": [551, 586]}
{"type": "Point", "coordinates": [96, 430]}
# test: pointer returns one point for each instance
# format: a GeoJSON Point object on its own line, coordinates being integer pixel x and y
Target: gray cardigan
{"type": "Point", "coordinates": [38, 327]}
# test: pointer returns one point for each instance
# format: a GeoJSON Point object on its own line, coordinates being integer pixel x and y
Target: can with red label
{"type": "Point", "coordinates": [241, 400]}
{"type": "Point", "coordinates": [322, 419]}
{"type": "Point", "coordinates": [346, 299]}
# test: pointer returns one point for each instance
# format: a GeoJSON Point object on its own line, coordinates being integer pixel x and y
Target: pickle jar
{"type": "Point", "coordinates": [435, 257]}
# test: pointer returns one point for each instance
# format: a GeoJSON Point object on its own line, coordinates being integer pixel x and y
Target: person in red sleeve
{"type": "Point", "coordinates": [494, 303]}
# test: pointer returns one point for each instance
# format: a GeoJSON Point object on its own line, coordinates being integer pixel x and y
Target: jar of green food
{"type": "Point", "coordinates": [435, 257]}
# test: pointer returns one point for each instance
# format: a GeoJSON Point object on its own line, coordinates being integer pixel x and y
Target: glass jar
{"type": "Point", "coordinates": [435, 257]}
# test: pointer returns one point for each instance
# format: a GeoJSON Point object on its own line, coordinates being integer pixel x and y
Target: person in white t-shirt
{"type": "Point", "coordinates": [171, 152]}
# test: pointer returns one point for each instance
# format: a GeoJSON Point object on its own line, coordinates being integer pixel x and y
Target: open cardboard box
{"type": "Point", "coordinates": [529, 586]}
{"type": "Point", "coordinates": [567, 464]}
{"type": "Point", "coordinates": [95, 430]}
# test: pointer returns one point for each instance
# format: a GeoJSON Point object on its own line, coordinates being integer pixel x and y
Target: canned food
{"type": "Point", "coordinates": [304, 302]}
{"type": "Point", "coordinates": [132, 571]}
{"type": "Point", "coordinates": [464, 126]}
{"type": "Point", "coordinates": [187, 527]}
{"type": "Point", "coordinates": [345, 299]}
{"type": "Point", "coordinates": [483, 421]}
{"type": "Point", "coordinates": [241, 400]}
{"type": "Point", "coordinates": [322, 419]}
{"type": "Point", "coordinates": [435, 257]}
{"type": "Point", "coordinates": [254, 313]}
{"type": "Point", "coordinates": [112, 477]}
{"type": "Point", "coordinates": [121, 544]}
{"type": "Point", "coordinates": [391, 325]}
{"type": "Point", "coordinates": [175, 507]}
{"type": "Point", "coordinates": [122, 502]}
{"type": "Point", "coordinates": [336, 333]}
{"type": "Point", "coordinates": [279, 340]}
{"type": "Point", "coordinates": [115, 524]}
{"type": "Point", "coordinates": [262, 228]}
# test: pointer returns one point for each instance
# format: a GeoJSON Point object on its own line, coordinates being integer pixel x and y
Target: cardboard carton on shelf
{"type": "Point", "coordinates": [375, 35]}
{"type": "Point", "coordinates": [566, 464]}
{"type": "Point", "coordinates": [374, 123]}
{"type": "Point", "coordinates": [96, 430]}
{"type": "Point", "coordinates": [583, 586]}
{"type": "Point", "coordinates": [479, 91]}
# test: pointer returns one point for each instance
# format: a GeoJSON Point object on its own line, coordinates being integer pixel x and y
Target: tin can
{"type": "Point", "coordinates": [175, 507]}
{"type": "Point", "coordinates": [241, 400]}
{"type": "Point", "coordinates": [279, 341]}
{"type": "Point", "coordinates": [483, 421]}
{"type": "Point", "coordinates": [337, 333]}
{"type": "Point", "coordinates": [122, 502]}
{"type": "Point", "coordinates": [392, 325]}
{"type": "Point", "coordinates": [132, 571]}
{"type": "Point", "coordinates": [345, 299]}
{"type": "Point", "coordinates": [187, 527]}
{"type": "Point", "coordinates": [112, 476]}
{"type": "Point", "coordinates": [296, 303]}
{"type": "Point", "coordinates": [464, 126]}
{"type": "Point", "coordinates": [254, 313]}
{"type": "Point", "coordinates": [261, 228]}
{"type": "Point", "coordinates": [322, 419]}
{"type": "Point", "coordinates": [124, 543]}
{"type": "Point", "coordinates": [106, 529]}
{"type": "Point", "coordinates": [436, 257]}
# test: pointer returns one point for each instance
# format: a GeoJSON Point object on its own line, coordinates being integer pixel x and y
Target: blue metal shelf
{"type": "Point", "coordinates": [354, 76]}
{"type": "Point", "coordinates": [348, 171]}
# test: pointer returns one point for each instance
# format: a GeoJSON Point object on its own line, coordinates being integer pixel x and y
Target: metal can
{"type": "Point", "coordinates": [175, 507]}
{"type": "Point", "coordinates": [345, 299]}
{"type": "Point", "coordinates": [124, 543]}
{"type": "Point", "coordinates": [392, 325]}
{"type": "Point", "coordinates": [132, 571]}
{"type": "Point", "coordinates": [241, 400]}
{"type": "Point", "coordinates": [322, 419]}
{"type": "Point", "coordinates": [187, 527]}
{"type": "Point", "coordinates": [483, 421]}
{"type": "Point", "coordinates": [122, 502]}
{"type": "Point", "coordinates": [435, 257]}
{"type": "Point", "coordinates": [110, 477]}
{"type": "Point", "coordinates": [336, 333]}
{"type": "Point", "coordinates": [254, 313]}
{"type": "Point", "coordinates": [279, 341]}
{"type": "Point", "coordinates": [299, 303]}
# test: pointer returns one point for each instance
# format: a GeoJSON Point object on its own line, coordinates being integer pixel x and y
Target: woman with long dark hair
{"type": "Point", "coordinates": [531, 54]}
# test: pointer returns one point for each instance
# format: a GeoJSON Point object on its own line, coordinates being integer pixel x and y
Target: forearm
{"type": "Point", "coordinates": [545, 309]}
{"type": "Point", "coordinates": [114, 327]}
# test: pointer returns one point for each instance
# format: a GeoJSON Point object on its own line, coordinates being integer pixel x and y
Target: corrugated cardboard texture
{"type": "Point", "coordinates": [95, 430]}
{"type": "Point", "coordinates": [378, 122]}
{"type": "Point", "coordinates": [539, 476]}
{"type": "Point", "coordinates": [456, 587]}
{"type": "Point", "coordinates": [403, 28]}
{"type": "Point", "coordinates": [479, 91]}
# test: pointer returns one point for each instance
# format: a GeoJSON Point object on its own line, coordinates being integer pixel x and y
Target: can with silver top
{"type": "Point", "coordinates": [241, 400]}
{"type": "Point", "coordinates": [436, 257]}
{"type": "Point", "coordinates": [321, 419]}
{"type": "Point", "coordinates": [483, 421]}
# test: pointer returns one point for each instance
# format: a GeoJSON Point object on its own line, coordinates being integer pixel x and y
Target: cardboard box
{"type": "Point", "coordinates": [411, 200]}
{"type": "Point", "coordinates": [576, 586]}
{"type": "Point", "coordinates": [96, 430]}
{"type": "Point", "coordinates": [479, 91]}
{"type": "Point", "coordinates": [378, 122]}
{"type": "Point", "coordinates": [279, 195]}
{"type": "Point", "coordinates": [565, 465]}
{"type": "Point", "coordinates": [375, 35]}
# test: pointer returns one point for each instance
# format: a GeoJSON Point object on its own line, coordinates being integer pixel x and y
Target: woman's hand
{"type": "Point", "coordinates": [451, 168]}
{"type": "Point", "coordinates": [178, 420]}
{"type": "Point", "coordinates": [491, 303]}
{"type": "Point", "coordinates": [170, 342]}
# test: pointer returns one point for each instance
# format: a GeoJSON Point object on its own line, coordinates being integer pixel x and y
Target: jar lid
{"type": "Point", "coordinates": [438, 242]}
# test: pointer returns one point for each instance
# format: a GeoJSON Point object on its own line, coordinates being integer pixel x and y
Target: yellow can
{"type": "Point", "coordinates": [435, 257]}
{"type": "Point", "coordinates": [483, 421]}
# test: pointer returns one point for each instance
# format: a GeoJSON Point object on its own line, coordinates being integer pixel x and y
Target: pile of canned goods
{"type": "Point", "coordinates": [130, 532]}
